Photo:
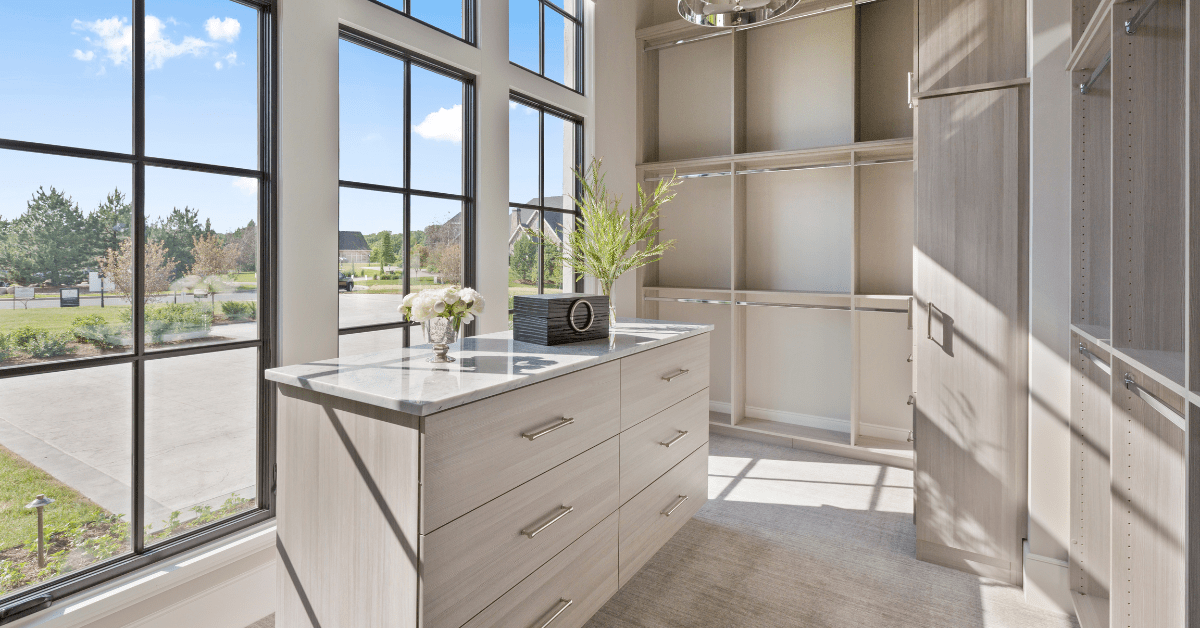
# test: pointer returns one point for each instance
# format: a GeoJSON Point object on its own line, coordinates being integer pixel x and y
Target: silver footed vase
{"type": "Point", "coordinates": [441, 333]}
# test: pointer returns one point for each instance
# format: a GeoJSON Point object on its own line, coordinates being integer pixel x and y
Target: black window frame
{"type": "Point", "coordinates": [41, 596]}
{"type": "Point", "coordinates": [543, 110]}
{"type": "Point", "coordinates": [470, 29]}
{"type": "Point", "coordinates": [469, 175]}
{"type": "Point", "coordinates": [579, 42]}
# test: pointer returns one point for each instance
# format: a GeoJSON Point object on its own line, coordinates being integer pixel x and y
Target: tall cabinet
{"type": "Point", "coordinates": [794, 221]}
{"type": "Point", "coordinates": [970, 419]}
{"type": "Point", "coordinates": [1136, 372]}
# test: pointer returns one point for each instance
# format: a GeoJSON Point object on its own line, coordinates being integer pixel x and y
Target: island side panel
{"type": "Point", "coordinates": [347, 513]}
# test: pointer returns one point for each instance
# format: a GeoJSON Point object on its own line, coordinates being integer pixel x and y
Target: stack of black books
{"type": "Point", "coordinates": [557, 319]}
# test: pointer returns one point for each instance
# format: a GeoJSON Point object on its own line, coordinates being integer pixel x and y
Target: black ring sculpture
{"type": "Point", "coordinates": [591, 315]}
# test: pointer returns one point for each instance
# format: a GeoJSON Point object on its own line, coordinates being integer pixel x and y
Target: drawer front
{"type": "Point", "coordinates": [470, 562]}
{"type": "Point", "coordinates": [577, 582]}
{"type": "Point", "coordinates": [645, 527]}
{"type": "Point", "coordinates": [652, 447]}
{"type": "Point", "coordinates": [655, 380]}
{"type": "Point", "coordinates": [479, 451]}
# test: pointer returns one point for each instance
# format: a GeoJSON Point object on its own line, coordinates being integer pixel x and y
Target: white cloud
{"type": "Point", "coordinates": [231, 58]}
{"type": "Point", "coordinates": [116, 37]}
{"type": "Point", "coordinates": [248, 187]}
{"type": "Point", "coordinates": [443, 125]}
{"type": "Point", "coordinates": [160, 48]}
{"type": "Point", "coordinates": [218, 65]}
{"type": "Point", "coordinates": [511, 105]}
{"type": "Point", "coordinates": [227, 29]}
{"type": "Point", "coordinates": [84, 56]}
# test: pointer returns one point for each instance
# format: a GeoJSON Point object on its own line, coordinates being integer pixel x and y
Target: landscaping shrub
{"type": "Point", "coordinates": [22, 337]}
{"type": "Point", "coordinates": [239, 310]}
{"type": "Point", "coordinates": [176, 318]}
{"type": "Point", "coordinates": [48, 345]}
{"type": "Point", "coordinates": [7, 352]}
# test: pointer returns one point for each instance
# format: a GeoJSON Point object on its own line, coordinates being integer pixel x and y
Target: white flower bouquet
{"type": "Point", "coordinates": [460, 305]}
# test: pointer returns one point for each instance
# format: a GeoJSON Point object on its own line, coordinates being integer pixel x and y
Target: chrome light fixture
{"type": "Point", "coordinates": [727, 13]}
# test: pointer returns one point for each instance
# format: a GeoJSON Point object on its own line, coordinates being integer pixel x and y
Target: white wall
{"type": "Point", "coordinates": [1046, 581]}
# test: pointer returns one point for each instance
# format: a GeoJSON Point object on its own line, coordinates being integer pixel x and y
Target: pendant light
{"type": "Point", "coordinates": [727, 13]}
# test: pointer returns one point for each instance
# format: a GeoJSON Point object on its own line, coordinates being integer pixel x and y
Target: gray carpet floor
{"type": "Point", "coordinates": [792, 538]}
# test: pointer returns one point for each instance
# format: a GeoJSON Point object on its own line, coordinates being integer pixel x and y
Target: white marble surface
{"type": "Point", "coordinates": [402, 379]}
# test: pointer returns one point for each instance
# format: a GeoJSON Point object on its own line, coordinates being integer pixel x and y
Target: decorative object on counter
{"type": "Point", "coordinates": [442, 313]}
{"type": "Point", "coordinates": [607, 246]}
{"type": "Point", "coordinates": [557, 319]}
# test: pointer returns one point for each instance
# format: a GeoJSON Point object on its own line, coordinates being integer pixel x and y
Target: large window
{"type": "Point", "coordinates": [406, 187]}
{"type": "Point", "coordinates": [545, 151]}
{"type": "Point", "coordinates": [546, 37]}
{"type": "Point", "coordinates": [135, 308]}
{"type": "Point", "coordinates": [453, 17]}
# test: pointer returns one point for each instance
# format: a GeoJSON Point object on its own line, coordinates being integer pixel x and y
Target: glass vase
{"type": "Point", "coordinates": [441, 333]}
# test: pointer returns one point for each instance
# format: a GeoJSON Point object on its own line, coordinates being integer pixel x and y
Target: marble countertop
{"type": "Point", "coordinates": [402, 379]}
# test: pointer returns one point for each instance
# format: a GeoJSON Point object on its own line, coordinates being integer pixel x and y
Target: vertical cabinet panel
{"type": "Point", "coordinates": [971, 352]}
{"type": "Point", "coordinates": [969, 42]}
{"type": "Point", "coordinates": [1148, 505]}
{"type": "Point", "coordinates": [1091, 428]}
{"type": "Point", "coordinates": [1091, 217]}
{"type": "Point", "coordinates": [694, 107]}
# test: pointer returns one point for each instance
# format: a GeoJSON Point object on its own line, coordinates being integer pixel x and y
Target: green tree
{"type": "Point", "coordinates": [109, 224]}
{"type": "Point", "coordinates": [523, 260]}
{"type": "Point", "coordinates": [48, 243]}
{"type": "Point", "coordinates": [554, 266]}
{"type": "Point", "coordinates": [386, 253]}
{"type": "Point", "coordinates": [178, 233]}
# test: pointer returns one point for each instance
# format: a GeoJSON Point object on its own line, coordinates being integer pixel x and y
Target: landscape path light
{"type": "Point", "coordinates": [40, 503]}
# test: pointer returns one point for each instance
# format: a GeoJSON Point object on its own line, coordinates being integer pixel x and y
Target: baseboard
{"type": "Point", "coordinates": [808, 420]}
{"type": "Point", "coordinates": [1047, 582]}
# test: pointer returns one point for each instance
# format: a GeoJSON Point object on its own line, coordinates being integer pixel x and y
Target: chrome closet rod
{"type": "Point", "coordinates": [1155, 402]}
{"type": "Point", "coordinates": [886, 310]}
{"type": "Point", "coordinates": [1131, 25]}
{"type": "Point", "coordinates": [839, 308]}
{"type": "Point", "coordinates": [724, 173]}
{"type": "Point", "coordinates": [1086, 87]}
{"type": "Point", "coordinates": [1083, 350]}
{"type": "Point", "coordinates": [674, 300]}
{"type": "Point", "coordinates": [727, 31]}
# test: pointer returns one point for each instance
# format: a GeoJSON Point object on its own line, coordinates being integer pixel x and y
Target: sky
{"type": "Point", "coordinates": [73, 86]}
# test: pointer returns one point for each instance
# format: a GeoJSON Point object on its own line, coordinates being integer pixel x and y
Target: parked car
{"type": "Point", "coordinates": [345, 283]}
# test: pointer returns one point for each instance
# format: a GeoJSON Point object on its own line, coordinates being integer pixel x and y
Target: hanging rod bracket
{"type": "Point", "coordinates": [1087, 87]}
{"type": "Point", "coordinates": [1132, 24]}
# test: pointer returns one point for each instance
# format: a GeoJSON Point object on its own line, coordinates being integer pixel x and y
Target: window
{"type": "Point", "coordinates": [406, 189]}
{"type": "Point", "coordinates": [546, 37]}
{"type": "Point", "coordinates": [545, 151]}
{"type": "Point", "coordinates": [453, 17]}
{"type": "Point", "coordinates": [135, 292]}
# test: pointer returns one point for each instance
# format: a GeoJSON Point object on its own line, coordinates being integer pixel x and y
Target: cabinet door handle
{"type": "Point", "coordinates": [678, 438]}
{"type": "Point", "coordinates": [671, 378]}
{"type": "Point", "coordinates": [563, 422]}
{"type": "Point", "coordinates": [552, 614]}
{"type": "Point", "coordinates": [678, 503]}
{"type": "Point", "coordinates": [532, 532]}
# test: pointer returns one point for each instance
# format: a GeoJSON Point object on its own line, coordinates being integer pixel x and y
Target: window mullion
{"type": "Point", "coordinates": [139, 280]}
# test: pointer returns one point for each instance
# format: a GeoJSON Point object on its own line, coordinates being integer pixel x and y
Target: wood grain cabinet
{"type": "Point", "coordinates": [528, 507]}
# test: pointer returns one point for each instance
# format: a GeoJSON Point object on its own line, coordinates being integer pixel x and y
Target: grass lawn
{"type": "Point", "coordinates": [22, 483]}
{"type": "Point", "coordinates": [52, 318]}
{"type": "Point", "coordinates": [246, 277]}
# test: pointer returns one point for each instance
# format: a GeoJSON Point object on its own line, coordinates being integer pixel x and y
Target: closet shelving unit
{"type": "Point", "coordinates": [1134, 306]}
{"type": "Point", "coordinates": [794, 221]}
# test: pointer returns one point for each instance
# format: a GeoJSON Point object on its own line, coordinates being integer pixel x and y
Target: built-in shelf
{"type": "Point", "coordinates": [858, 153]}
{"type": "Point", "coordinates": [687, 289]}
{"type": "Point", "coordinates": [869, 449]}
{"type": "Point", "coordinates": [1095, 41]}
{"type": "Point", "coordinates": [1164, 367]}
{"type": "Point", "coordinates": [1091, 611]}
{"type": "Point", "coordinates": [1095, 334]}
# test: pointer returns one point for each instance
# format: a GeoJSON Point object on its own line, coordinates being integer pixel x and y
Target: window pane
{"type": "Point", "coordinates": [201, 258]}
{"type": "Point", "coordinates": [560, 162]}
{"type": "Point", "coordinates": [558, 278]}
{"type": "Point", "coordinates": [371, 342]}
{"type": "Point", "coordinates": [201, 440]}
{"type": "Point", "coordinates": [523, 37]}
{"type": "Point", "coordinates": [58, 217]}
{"type": "Point", "coordinates": [202, 81]}
{"type": "Point", "coordinates": [370, 255]}
{"type": "Point", "coordinates": [437, 137]}
{"type": "Point", "coordinates": [444, 14]}
{"type": "Point", "coordinates": [436, 251]}
{"type": "Point", "coordinates": [67, 436]}
{"type": "Point", "coordinates": [371, 87]}
{"type": "Point", "coordinates": [560, 48]}
{"type": "Point", "coordinates": [523, 154]}
{"type": "Point", "coordinates": [69, 76]}
{"type": "Point", "coordinates": [522, 252]}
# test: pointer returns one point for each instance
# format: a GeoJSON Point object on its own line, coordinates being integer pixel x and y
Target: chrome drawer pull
{"type": "Point", "coordinates": [566, 510]}
{"type": "Point", "coordinates": [565, 421]}
{"type": "Point", "coordinates": [554, 612]}
{"type": "Point", "coordinates": [671, 378]}
{"type": "Point", "coordinates": [678, 438]}
{"type": "Point", "coordinates": [682, 498]}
